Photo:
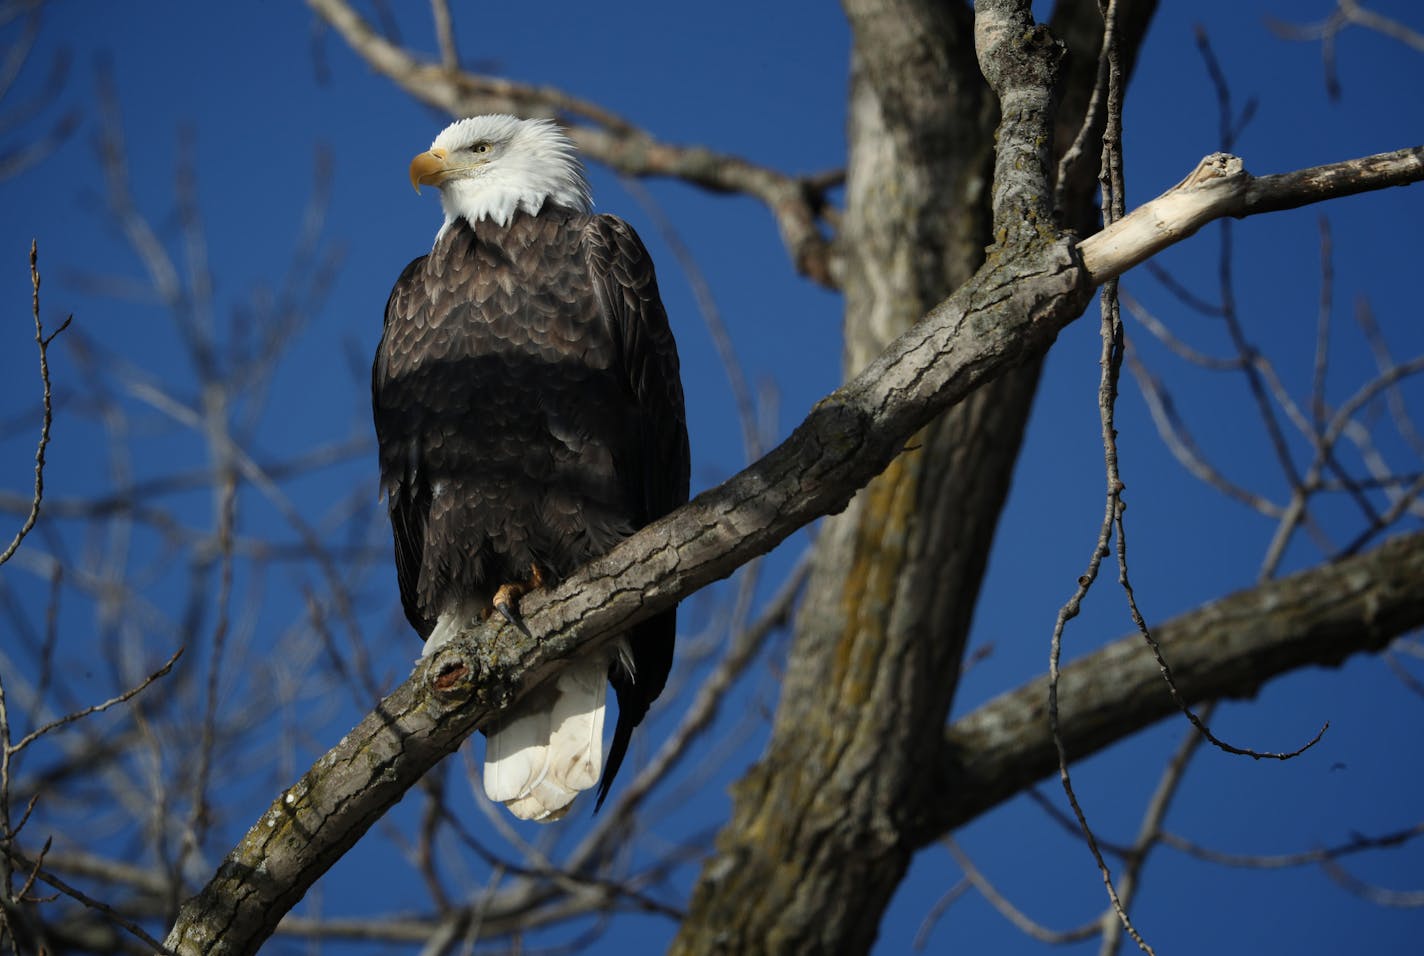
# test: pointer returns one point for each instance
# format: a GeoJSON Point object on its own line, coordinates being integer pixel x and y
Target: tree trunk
{"type": "Point", "coordinates": [832, 810]}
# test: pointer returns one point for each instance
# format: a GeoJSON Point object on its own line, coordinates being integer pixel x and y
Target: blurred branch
{"type": "Point", "coordinates": [797, 203]}
{"type": "Point", "coordinates": [123, 698]}
{"type": "Point", "coordinates": [700, 714]}
{"type": "Point", "coordinates": [1401, 899]}
{"type": "Point", "coordinates": [1348, 13]}
{"type": "Point", "coordinates": [1012, 913]}
{"type": "Point", "coordinates": [109, 912]}
{"type": "Point", "coordinates": [1358, 843]}
{"type": "Point", "coordinates": [1183, 446]}
{"type": "Point", "coordinates": [17, 159]}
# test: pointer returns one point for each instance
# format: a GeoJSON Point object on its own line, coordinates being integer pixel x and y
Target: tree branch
{"type": "Point", "coordinates": [1227, 649]}
{"type": "Point", "coordinates": [1011, 310]}
{"type": "Point", "coordinates": [795, 202]}
{"type": "Point", "coordinates": [1220, 186]}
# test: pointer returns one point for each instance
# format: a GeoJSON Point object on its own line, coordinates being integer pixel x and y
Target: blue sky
{"type": "Point", "coordinates": [258, 89]}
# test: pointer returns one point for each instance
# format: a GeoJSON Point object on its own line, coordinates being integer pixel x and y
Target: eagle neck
{"type": "Point", "coordinates": [490, 229]}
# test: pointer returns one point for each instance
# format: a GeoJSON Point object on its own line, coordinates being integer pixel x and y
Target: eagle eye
{"type": "Point", "coordinates": [480, 148]}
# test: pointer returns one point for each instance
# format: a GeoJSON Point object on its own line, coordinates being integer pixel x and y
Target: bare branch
{"type": "Point", "coordinates": [1358, 843]}
{"type": "Point", "coordinates": [1402, 899]}
{"type": "Point", "coordinates": [1348, 13]}
{"type": "Point", "coordinates": [1227, 649]}
{"type": "Point", "coordinates": [1011, 912]}
{"type": "Point", "coordinates": [125, 697]}
{"type": "Point", "coordinates": [795, 202]}
{"type": "Point", "coordinates": [42, 341]}
{"type": "Point", "coordinates": [1111, 188]}
{"type": "Point", "coordinates": [445, 34]}
{"type": "Point", "coordinates": [1220, 186]}
{"type": "Point", "coordinates": [89, 902]}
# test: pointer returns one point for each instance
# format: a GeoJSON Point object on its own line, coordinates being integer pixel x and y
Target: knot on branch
{"type": "Point", "coordinates": [1215, 166]}
{"type": "Point", "coordinates": [453, 677]}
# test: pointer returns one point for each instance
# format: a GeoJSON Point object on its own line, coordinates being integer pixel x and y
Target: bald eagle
{"type": "Point", "coordinates": [529, 414]}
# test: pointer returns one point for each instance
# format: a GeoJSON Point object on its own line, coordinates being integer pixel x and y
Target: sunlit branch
{"type": "Point", "coordinates": [1220, 186]}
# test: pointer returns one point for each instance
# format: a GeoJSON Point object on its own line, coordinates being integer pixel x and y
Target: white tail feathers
{"type": "Point", "coordinates": [549, 747]}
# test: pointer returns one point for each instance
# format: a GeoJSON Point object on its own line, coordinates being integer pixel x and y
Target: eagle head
{"type": "Point", "coordinates": [489, 167]}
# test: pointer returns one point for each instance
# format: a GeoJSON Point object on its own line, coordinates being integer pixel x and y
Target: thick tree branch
{"type": "Point", "coordinates": [1220, 186]}
{"type": "Point", "coordinates": [795, 202]}
{"type": "Point", "coordinates": [1010, 311]}
{"type": "Point", "coordinates": [1228, 649]}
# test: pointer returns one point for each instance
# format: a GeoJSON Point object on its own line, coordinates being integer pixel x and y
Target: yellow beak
{"type": "Point", "coordinates": [428, 169]}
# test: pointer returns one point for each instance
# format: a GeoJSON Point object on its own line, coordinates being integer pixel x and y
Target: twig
{"type": "Point", "coordinates": [1220, 186]}
{"type": "Point", "coordinates": [1149, 832]}
{"type": "Point", "coordinates": [940, 907]}
{"type": "Point", "coordinates": [126, 696]}
{"type": "Point", "coordinates": [711, 694]}
{"type": "Point", "coordinates": [1322, 328]}
{"type": "Point", "coordinates": [79, 896]}
{"type": "Point", "coordinates": [1110, 178]}
{"type": "Point", "coordinates": [1347, 13]}
{"type": "Point", "coordinates": [43, 342]}
{"type": "Point", "coordinates": [1356, 844]}
{"type": "Point", "coordinates": [1365, 318]}
{"type": "Point", "coordinates": [1183, 446]}
{"type": "Point", "coordinates": [1011, 912]}
{"type": "Point", "coordinates": [711, 317]}
{"type": "Point", "coordinates": [1401, 899]}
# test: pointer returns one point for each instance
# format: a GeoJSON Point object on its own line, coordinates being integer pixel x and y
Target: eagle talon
{"type": "Point", "coordinates": [510, 612]}
{"type": "Point", "coordinates": [506, 602]}
{"type": "Point", "coordinates": [506, 599]}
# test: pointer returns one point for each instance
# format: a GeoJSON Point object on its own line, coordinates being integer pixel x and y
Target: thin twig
{"type": "Point", "coordinates": [79, 896]}
{"type": "Point", "coordinates": [1358, 843]}
{"type": "Point", "coordinates": [1183, 446]}
{"type": "Point", "coordinates": [1111, 182]}
{"type": "Point", "coordinates": [941, 906]}
{"type": "Point", "coordinates": [43, 342]}
{"type": "Point", "coordinates": [1011, 912]}
{"type": "Point", "coordinates": [126, 696]}
{"type": "Point", "coordinates": [1322, 327]}
{"type": "Point", "coordinates": [1347, 13]}
{"type": "Point", "coordinates": [1149, 831]}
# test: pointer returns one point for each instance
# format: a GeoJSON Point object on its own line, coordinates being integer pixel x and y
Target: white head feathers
{"type": "Point", "coordinates": [488, 167]}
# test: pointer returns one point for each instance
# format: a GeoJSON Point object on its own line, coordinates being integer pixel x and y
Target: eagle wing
{"type": "Point", "coordinates": [407, 497]}
{"type": "Point", "coordinates": [626, 286]}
